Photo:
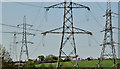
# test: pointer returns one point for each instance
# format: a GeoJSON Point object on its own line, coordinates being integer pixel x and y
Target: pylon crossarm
{"type": "Point", "coordinates": [27, 42]}
{"type": "Point", "coordinates": [117, 43]}
{"type": "Point", "coordinates": [19, 33]}
{"type": "Point", "coordinates": [116, 28]}
{"type": "Point", "coordinates": [44, 33]}
{"type": "Point", "coordinates": [109, 43]}
{"type": "Point", "coordinates": [52, 31]}
{"type": "Point", "coordinates": [68, 33]}
{"type": "Point", "coordinates": [75, 5]}
{"type": "Point", "coordinates": [29, 25]}
{"type": "Point", "coordinates": [84, 31]}
{"type": "Point", "coordinates": [30, 42]}
{"type": "Point", "coordinates": [30, 34]}
{"type": "Point", "coordinates": [80, 6]}
{"type": "Point", "coordinates": [55, 6]}
{"type": "Point", "coordinates": [108, 29]}
{"type": "Point", "coordinates": [26, 24]}
{"type": "Point", "coordinates": [60, 5]}
{"type": "Point", "coordinates": [110, 13]}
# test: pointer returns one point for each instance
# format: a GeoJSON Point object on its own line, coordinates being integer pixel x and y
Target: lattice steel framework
{"type": "Point", "coordinates": [108, 49]}
{"type": "Point", "coordinates": [24, 47]}
{"type": "Point", "coordinates": [15, 47]}
{"type": "Point", "coordinates": [119, 29]}
{"type": "Point", "coordinates": [68, 31]}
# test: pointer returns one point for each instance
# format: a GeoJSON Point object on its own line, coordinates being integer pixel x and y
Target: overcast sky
{"type": "Point", "coordinates": [13, 13]}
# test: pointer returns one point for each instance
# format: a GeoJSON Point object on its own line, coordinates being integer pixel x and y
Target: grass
{"type": "Point", "coordinates": [46, 64]}
{"type": "Point", "coordinates": [92, 63]}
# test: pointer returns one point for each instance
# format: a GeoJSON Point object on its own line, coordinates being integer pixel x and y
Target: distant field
{"type": "Point", "coordinates": [92, 63]}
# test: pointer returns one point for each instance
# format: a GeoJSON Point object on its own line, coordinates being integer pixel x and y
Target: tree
{"type": "Point", "coordinates": [29, 59]}
{"type": "Point", "coordinates": [6, 60]}
{"type": "Point", "coordinates": [89, 58]}
{"type": "Point", "coordinates": [5, 54]}
{"type": "Point", "coordinates": [41, 58]}
{"type": "Point", "coordinates": [48, 59]}
{"type": "Point", "coordinates": [118, 65]}
{"type": "Point", "coordinates": [55, 58]}
{"type": "Point", "coordinates": [51, 58]}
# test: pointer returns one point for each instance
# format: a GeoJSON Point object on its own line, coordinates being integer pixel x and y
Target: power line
{"type": "Point", "coordinates": [36, 15]}
{"type": "Point", "coordinates": [21, 3]}
{"type": "Point", "coordinates": [95, 40]}
{"type": "Point", "coordinates": [28, 4]}
{"type": "Point", "coordinates": [38, 45]}
{"type": "Point", "coordinates": [97, 3]}
{"type": "Point", "coordinates": [96, 20]}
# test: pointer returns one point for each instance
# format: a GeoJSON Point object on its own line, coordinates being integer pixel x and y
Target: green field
{"type": "Point", "coordinates": [92, 63]}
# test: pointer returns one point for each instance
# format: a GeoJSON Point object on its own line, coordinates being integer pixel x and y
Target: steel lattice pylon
{"type": "Point", "coordinates": [15, 47]}
{"type": "Point", "coordinates": [24, 47]}
{"type": "Point", "coordinates": [68, 31]}
{"type": "Point", "coordinates": [108, 49]}
{"type": "Point", "coordinates": [119, 29]}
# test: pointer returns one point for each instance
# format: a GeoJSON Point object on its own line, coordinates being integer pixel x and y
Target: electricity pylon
{"type": "Point", "coordinates": [108, 49]}
{"type": "Point", "coordinates": [15, 47]}
{"type": "Point", "coordinates": [24, 48]}
{"type": "Point", "coordinates": [68, 31]}
{"type": "Point", "coordinates": [119, 29]}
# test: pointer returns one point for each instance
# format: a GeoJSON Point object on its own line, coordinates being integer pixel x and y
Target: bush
{"type": "Point", "coordinates": [66, 59]}
{"type": "Point", "coordinates": [118, 65]}
{"type": "Point", "coordinates": [41, 58]}
{"type": "Point", "coordinates": [6, 65]}
{"type": "Point", "coordinates": [55, 58]}
{"type": "Point", "coordinates": [48, 59]}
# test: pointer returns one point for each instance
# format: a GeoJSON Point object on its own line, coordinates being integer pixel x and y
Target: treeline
{"type": "Point", "coordinates": [50, 59]}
